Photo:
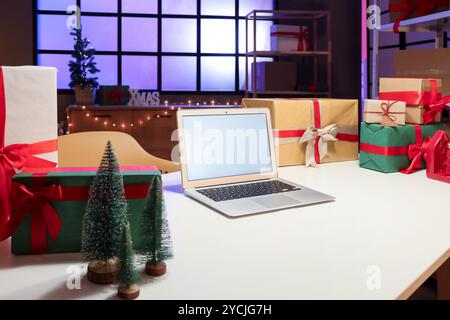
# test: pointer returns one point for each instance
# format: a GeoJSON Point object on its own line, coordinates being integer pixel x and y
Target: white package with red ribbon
{"type": "Point", "coordinates": [289, 38]}
{"type": "Point", "coordinates": [28, 124]}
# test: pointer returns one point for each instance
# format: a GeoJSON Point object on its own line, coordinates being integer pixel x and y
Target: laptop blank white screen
{"type": "Point", "coordinates": [217, 146]}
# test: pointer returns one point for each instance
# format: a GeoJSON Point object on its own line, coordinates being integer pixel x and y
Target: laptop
{"type": "Point", "coordinates": [229, 163]}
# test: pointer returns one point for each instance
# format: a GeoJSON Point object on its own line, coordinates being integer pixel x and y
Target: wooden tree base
{"type": "Point", "coordinates": [100, 272]}
{"type": "Point", "coordinates": [128, 293]}
{"type": "Point", "coordinates": [155, 270]}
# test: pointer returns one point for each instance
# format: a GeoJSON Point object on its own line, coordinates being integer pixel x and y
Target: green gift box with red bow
{"type": "Point", "coordinates": [395, 149]}
{"type": "Point", "coordinates": [113, 95]}
{"type": "Point", "coordinates": [49, 205]}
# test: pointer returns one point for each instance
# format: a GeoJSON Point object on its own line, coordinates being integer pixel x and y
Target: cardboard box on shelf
{"type": "Point", "coordinates": [434, 63]}
{"type": "Point", "coordinates": [276, 76]}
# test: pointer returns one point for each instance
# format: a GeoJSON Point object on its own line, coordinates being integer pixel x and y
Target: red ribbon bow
{"type": "Point", "coordinates": [386, 111]}
{"type": "Point", "coordinates": [12, 158]}
{"type": "Point", "coordinates": [43, 216]}
{"type": "Point", "coordinates": [434, 109]}
{"type": "Point", "coordinates": [417, 151]}
{"type": "Point", "coordinates": [420, 7]}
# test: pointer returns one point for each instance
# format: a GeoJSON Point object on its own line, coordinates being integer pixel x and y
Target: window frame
{"type": "Point", "coordinates": [159, 54]}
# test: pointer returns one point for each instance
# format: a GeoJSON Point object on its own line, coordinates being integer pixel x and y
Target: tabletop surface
{"type": "Point", "coordinates": [380, 239]}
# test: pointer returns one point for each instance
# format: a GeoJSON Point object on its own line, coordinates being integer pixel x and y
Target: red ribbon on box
{"type": "Point", "coordinates": [16, 157]}
{"type": "Point", "coordinates": [420, 7]}
{"type": "Point", "coordinates": [36, 200]}
{"type": "Point", "coordinates": [303, 37]}
{"type": "Point", "coordinates": [383, 151]}
{"type": "Point", "coordinates": [417, 151]}
{"type": "Point", "coordinates": [434, 109]}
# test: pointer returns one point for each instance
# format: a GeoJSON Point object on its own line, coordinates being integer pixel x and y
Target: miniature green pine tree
{"type": "Point", "coordinates": [127, 274]}
{"type": "Point", "coordinates": [156, 243]}
{"type": "Point", "coordinates": [106, 212]}
{"type": "Point", "coordinates": [84, 62]}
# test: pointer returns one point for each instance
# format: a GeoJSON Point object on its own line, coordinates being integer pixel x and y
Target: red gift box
{"type": "Point", "coordinates": [447, 171]}
{"type": "Point", "coordinates": [437, 156]}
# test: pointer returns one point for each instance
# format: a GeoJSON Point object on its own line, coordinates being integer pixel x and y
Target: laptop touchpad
{"type": "Point", "coordinates": [276, 201]}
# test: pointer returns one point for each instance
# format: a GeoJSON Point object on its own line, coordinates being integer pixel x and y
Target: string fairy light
{"type": "Point", "coordinates": [148, 117]}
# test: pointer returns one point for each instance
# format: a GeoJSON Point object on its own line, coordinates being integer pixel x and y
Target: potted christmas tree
{"type": "Point", "coordinates": [156, 244]}
{"type": "Point", "coordinates": [104, 220]}
{"type": "Point", "coordinates": [81, 68]}
{"type": "Point", "coordinates": [128, 276]}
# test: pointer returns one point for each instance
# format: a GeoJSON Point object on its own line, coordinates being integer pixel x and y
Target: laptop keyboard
{"type": "Point", "coordinates": [246, 190]}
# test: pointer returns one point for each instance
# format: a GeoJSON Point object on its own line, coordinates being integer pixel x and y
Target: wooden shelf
{"type": "Point", "coordinates": [286, 53]}
{"type": "Point", "coordinates": [278, 16]}
{"type": "Point", "coordinates": [300, 93]}
{"type": "Point", "coordinates": [150, 108]}
{"type": "Point", "coordinates": [436, 22]}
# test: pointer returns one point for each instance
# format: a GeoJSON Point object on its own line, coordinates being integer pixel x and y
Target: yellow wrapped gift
{"type": "Point", "coordinates": [312, 131]}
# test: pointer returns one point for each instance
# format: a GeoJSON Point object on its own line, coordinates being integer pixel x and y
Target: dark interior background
{"type": "Point", "coordinates": [17, 45]}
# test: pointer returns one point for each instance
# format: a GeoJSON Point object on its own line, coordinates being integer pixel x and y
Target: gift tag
{"type": "Point", "coordinates": [388, 122]}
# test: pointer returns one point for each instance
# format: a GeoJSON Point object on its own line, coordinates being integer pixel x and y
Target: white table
{"type": "Point", "coordinates": [381, 239]}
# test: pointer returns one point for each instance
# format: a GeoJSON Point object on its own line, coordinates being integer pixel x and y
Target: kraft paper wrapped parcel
{"type": "Point", "coordinates": [312, 131]}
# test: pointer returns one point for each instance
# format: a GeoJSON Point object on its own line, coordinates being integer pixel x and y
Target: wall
{"type": "Point", "coordinates": [17, 31]}
{"type": "Point", "coordinates": [16, 40]}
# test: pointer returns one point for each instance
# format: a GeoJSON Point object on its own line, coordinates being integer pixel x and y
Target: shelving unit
{"type": "Point", "coordinates": [280, 15]}
{"type": "Point", "coordinates": [439, 23]}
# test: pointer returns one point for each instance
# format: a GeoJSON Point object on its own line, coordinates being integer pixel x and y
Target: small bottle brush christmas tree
{"type": "Point", "coordinates": [156, 244]}
{"type": "Point", "coordinates": [104, 220]}
{"type": "Point", "coordinates": [84, 63]}
{"type": "Point", "coordinates": [128, 276]}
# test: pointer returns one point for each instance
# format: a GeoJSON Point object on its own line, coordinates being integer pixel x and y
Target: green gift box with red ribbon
{"type": "Point", "coordinates": [49, 205]}
{"type": "Point", "coordinates": [113, 95]}
{"type": "Point", "coordinates": [395, 149]}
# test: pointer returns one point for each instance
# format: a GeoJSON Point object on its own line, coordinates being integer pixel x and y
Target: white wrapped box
{"type": "Point", "coordinates": [289, 38]}
{"type": "Point", "coordinates": [31, 106]}
{"type": "Point", "coordinates": [28, 124]}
